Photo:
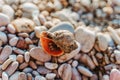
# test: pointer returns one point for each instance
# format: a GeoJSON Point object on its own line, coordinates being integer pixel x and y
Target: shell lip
{"type": "Point", "coordinates": [45, 43]}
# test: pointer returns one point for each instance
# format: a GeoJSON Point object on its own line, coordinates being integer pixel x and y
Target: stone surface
{"type": "Point", "coordinates": [4, 19]}
{"type": "Point", "coordinates": [38, 54]}
{"type": "Point", "coordinates": [62, 26]}
{"type": "Point", "coordinates": [13, 41]}
{"type": "Point", "coordinates": [22, 76]}
{"type": "Point", "coordinates": [115, 74]}
{"type": "Point", "coordinates": [7, 50]}
{"type": "Point", "coordinates": [4, 76]}
{"type": "Point", "coordinates": [85, 71]}
{"type": "Point", "coordinates": [51, 65]}
{"type": "Point", "coordinates": [23, 25]}
{"type": "Point", "coordinates": [86, 38]}
{"type": "Point", "coordinates": [43, 70]}
{"type": "Point", "coordinates": [14, 76]}
{"type": "Point", "coordinates": [11, 28]}
{"type": "Point", "coordinates": [27, 56]}
{"type": "Point", "coordinates": [117, 56]}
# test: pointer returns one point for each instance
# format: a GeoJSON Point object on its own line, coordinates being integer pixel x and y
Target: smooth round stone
{"type": "Point", "coordinates": [43, 70]}
{"type": "Point", "coordinates": [4, 76]}
{"type": "Point", "coordinates": [4, 19]}
{"type": "Point", "coordinates": [38, 54]}
{"type": "Point", "coordinates": [3, 37]}
{"type": "Point", "coordinates": [115, 74]}
{"type": "Point", "coordinates": [28, 70]}
{"type": "Point", "coordinates": [62, 26]}
{"type": "Point", "coordinates": [22, 76]}
{"type": "Point", "coordinates": [50, 76]}
{"type": "Point", "coordinates": [86, 38]}
{"type": "Point", "coordinates": [51, 65]}
{"type": "Point", "coordinates": [85, 71]}
{"type": "Point", "coordinates": [9, 11]}
{"type": "Point", "coordinates": [11, 28]}
{"type": "Point", "coordinates": [13, 41]}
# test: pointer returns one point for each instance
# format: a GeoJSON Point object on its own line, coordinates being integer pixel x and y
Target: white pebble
{"type": "Point", "coordinates": [13, 41]}
{"type": "Point", "coordinates": [11, 28]}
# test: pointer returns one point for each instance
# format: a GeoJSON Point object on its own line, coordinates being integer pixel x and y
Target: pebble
{"type": "Point", "coordinates": [27, 56]}
{"type": "Point", "coordinates": [114, 35]}
{"type": "Point", "coordinates": [62, 26]}
{"type": "Point", "coordinates": [105, 77]}
{"type": "Point", "coordinates": [86, 38]}
{"type": "Point", "coordinates": [40, 78]}
{"type": "Point", "coordinates": [102, 41]}
{"type": "Point", "coordinates": [68, 56]}
{"type": "Point", "coordinates": [29, 76]}
{"type": "Point", "coordinates": [38, 54]}
{"type": "Point", "coordinates": [43, 70]}
{"type": "Point", "coordinates": [32, 65]}
{"type": "Point", "coordinates": [50, 76]}
{"type": "Point", "coordinates": [4, 19]}
{"type": "Point", "coordinates": [28, 70]}
{"type": "Point", "coordinates": [85, 71]}
{"type": "Point", "coordinates": [25, 25]}
{"type": "Point", "coordinates": [22, 76]}
{"type": "Point", "coordinates": [51, 66]}
{"type": "Point", "coordinates": [14, 76]}
{"type": "Point", "coordinates": [23, 65]}
{"type": "Point", "coordinates": [38, 30]}
{"type": "Point", "coordinates": [7, 50]}
{"type": "Point", "coordinates": [9, 11]}
{"type": "Point", "coordinates": [6, 63]}
{"type": "Point", "coordinates": [3, 37]}
{"type": "Point", "coordinates": [114, 74]}
{"type": "Point", "coordinates": [117, 56]}
{"type": "Point", "coordinates": [12, 68]}
{"type": "Point", "coordinates": [11, 28]}
{"type": "Point", "coordinates": [4, 76]}
{"type": "Point", "coordinates": [35, 73]}
{"type": "Point", "coordinates": [65, 71]}
{"type": "Point", "coordinates": [75, 63]}
{"type": "Point", "coordinates": [13, 56]}
{"type": "Point", "coordinates": [13, 41]}
{"type": "Point", "coordinates": [29, 7]}
{"type": "Point", "coordinates": [108, 10]}
{"type": "Point", "coordinates": [18, 51]}
{"type": "Point", "coordinates": [20, 58]}
{"type": "Point", "coordinates": [75, 74]}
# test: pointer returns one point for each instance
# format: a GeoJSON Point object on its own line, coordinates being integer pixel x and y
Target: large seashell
{"type": "Point", "coordinates": [49, 46]}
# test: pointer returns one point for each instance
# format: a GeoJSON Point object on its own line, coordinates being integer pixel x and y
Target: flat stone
{"type": "Point", "coordinates": [86, 38]}
{"type": "Point", "coordinates": [43, 70]}
{"type": "Point", "coordinates": [3, 37]}
{"type": "Point", "coordinates": [114, 74]}
{"type": "Point", "coordinates": [9, 11]}
{"type": "Point", "coordinates": [23, 25]}
{"type": "Point", "coordinates": [22, 76]}
{"type": "Point", "coordinates": [75, 74]}
{"type": "Point", "coordinates": [38, 54]}
{"type": "Point", "coordinates": [4, 76]}
{"type": "Point", "coordinates": [13, 41]}
{"type": "Point", "coordinates": [14, 76]}
{"type": "Point", "coordinates": [102, 41]}
{"type": "Point", "coordinates": [85, 71]}
{"type": "Point", "coordinates": [65, 71]}
{"type": "Point", "coordinates": [7, 50]}
{"type": "Point", "coordinates": [62, 26]}
{"type": "Point", "coordinates": [50, 76]}
{"type": "Point", "coordinates": [6, 63]}
{"type": "Point", "coordinates": [51, 65]}
{"type": "Point", "coordinates": [12, 68]}
{"type": "Point", "coordinates": [4, 19]}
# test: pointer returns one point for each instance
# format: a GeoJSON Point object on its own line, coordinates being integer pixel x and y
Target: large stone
{"type": "Point", "coordinates": [7, 50]}
{"type": "Point", "coordinates": [38, 54]}
{"type": "Point", "coordinates": [86, 38]}
{"type": "Point", "coordinates": [62, 26]}
{"type": "Point", "coordinates": [115, 74]}
{"type": "Point", "coordinates": [23, 25]}
{"type": "Point", "coordinates": [4, 19]}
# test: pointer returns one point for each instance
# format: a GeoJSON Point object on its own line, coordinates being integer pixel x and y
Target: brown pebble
{"type": "Point", "coordinates": [33, 65]}
{"type": "Point", "coordinates": [23, 65]}
{"type": "Point", "coordinates": [20, 58]}
{"type": "Point", "coordinates": [22, 44]}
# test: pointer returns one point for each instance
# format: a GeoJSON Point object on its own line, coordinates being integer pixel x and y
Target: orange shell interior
{"type": "Point", "coordinates": [45, 45]}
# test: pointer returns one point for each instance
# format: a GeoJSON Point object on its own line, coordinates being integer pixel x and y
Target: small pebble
{"type": "Point", "coordinates": [4, 19]}
{"type": "Point", "coordinates": [51, 66]}
{"type": "Point", "coordinates": [50, 76]}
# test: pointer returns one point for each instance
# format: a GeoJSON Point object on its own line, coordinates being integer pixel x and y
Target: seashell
{"type": "Point", "coordinates": [46, 42]}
